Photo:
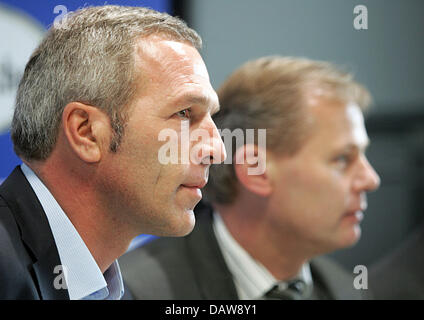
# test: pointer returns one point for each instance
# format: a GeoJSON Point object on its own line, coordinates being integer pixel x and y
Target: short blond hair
{"type": "Point", "coordinates": [270, 93]}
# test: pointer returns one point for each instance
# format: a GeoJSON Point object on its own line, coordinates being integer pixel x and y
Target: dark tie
{"type": "Point", "coordinates": [294, 291]}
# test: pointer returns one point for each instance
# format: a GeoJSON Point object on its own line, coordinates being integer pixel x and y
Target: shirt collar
{"type": "Point", "coordinates": [115, 286]}
{"type": "Point", "coordinates": [251, 278]}
{"type": "Point", "coordinates": [84, 280]}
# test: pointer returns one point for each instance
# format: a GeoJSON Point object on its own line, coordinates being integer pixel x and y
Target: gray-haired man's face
{"type": "Point", "coordinates": [153, 197]}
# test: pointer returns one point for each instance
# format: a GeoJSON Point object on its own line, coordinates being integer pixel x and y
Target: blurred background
{"type": "Point", "coordinates": [387, 58]}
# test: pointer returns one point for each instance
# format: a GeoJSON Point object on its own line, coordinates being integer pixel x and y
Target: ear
{"type": "Point", "coordinates": [250, 169]}
{"type": "Point", "coordinates": [87, 129]}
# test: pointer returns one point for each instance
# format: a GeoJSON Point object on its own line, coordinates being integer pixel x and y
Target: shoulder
{"type": "Point", "coordinates": [327, 265]}
{"type": "Point", "coordinates": [3, 203]}
{"type": "Point", "coordinates": [176, 250]}
{"type": "Point", "coordinates": [328, 271]}
{"type": "Point", "coordinates": [157, 269]}
{"type": "Point", "coordinates": [399, 275]}
{"type": "Point", "coordinates": [157, 252]}
{"type": "Point", "coordinates": [335, 280]}
{"type": "Point", "coordinates": [13, 257]}
{"type": "Point", "coordinates": [176, 267]}
{"type": "Point", "coordinates": [9, 231]}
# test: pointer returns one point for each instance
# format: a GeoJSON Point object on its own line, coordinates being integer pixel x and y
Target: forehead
{"type": "Point", "coordinates": [335, 124]}
{"type": "Point", "coordinates": [162, 60]}
{"type": "Point", "coordinates": [173, 72]}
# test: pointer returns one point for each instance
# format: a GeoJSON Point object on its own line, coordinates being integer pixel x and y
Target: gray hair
{"type": "Point", "coordinates": [88, 58]}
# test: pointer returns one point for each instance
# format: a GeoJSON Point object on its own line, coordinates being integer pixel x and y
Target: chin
{"type": "Point", "coordinates": [188, 225]}
{"type": "Point", "coordinates": [357, 233]}
{"type": "Point", "coordinates": [181, 225]}
{"type": "Point", "coordinates": [342, 241]}
{"type": "Point", "coordinates": [184, 232]}
{"type": "Point", "coordinates": [352, 237]}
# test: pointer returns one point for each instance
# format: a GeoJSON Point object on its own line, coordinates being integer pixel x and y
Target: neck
{"type": "Point", "coordinates": [279, 252]}
{"type": "Point", "coordinates": [103, 233]}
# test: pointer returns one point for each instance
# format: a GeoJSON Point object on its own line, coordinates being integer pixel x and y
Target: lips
{"type": "Point", "coordinates": [357, 210]}
{"type": "Point", "coordinates": [358, 215]}
{"type": "Point", "coordinates": [194, 190]}
{"type": "Point", "coordinates": [196, 184]}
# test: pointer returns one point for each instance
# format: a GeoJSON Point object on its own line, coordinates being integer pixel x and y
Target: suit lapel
{"type": "Point", "coordinates": [46, 274]}
{"type": "Point", "coordinates": [211, 271]}
{"type": "Point", "coordinates": [35, 232]}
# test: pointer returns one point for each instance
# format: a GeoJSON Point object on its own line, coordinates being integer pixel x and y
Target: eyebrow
{"type": "Point", "coordinates": [352, 146]}
{"type": "Point", "coordinates": [199, 99]}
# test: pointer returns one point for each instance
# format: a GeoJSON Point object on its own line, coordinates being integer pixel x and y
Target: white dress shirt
{"type": "Point", "coordinates": [84, 280]}
{"type": "Point", "coordinates": [252, 280]}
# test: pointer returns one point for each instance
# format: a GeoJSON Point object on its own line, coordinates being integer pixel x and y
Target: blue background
{"type": "Point", "coordinates": [42, 11]}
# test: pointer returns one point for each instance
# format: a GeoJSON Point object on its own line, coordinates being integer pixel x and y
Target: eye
{"type": "Point", "coordinates": [186, 113]}
{"type": "Point", "coordinates": [342, 158]}
{"type": "Point", "coordinates": [343, 161]}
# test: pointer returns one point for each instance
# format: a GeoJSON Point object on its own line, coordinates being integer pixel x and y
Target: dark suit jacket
{"type": "Point", "coordinates": [28, 253]}
{"type": "Point", "coordinates": [193, 267]}
{"type": "Point", "coordinates": [400, 274]}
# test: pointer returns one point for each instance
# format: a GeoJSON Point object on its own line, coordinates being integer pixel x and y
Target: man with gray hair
{"type": "Point", "coordinates": [90, 106]}
{"type": "Point", "coordinates": [265, 232]}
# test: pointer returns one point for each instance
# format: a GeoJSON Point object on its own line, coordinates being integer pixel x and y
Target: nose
{"type": "Point", "coordinates": [367, 178]}
{"type": "Point", "coordinates": [212, 148]}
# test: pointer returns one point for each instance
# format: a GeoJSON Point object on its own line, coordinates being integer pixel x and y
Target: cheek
{"type": "Point", "coordinates": [166, 183]}
{"type": "Point", "coordinates": [316, 194]}
{"type": "Point", "coordinates": [167, 178]}
{"type": "Point", "coordinates": [307, 184]}
{"type": "Point", "coordinates": [141, 157]}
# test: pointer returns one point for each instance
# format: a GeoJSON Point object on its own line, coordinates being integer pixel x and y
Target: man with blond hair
{"type": "Point", "coordinates": [93, 99]}
{"type": "Point", "coordinates": [264, 234]}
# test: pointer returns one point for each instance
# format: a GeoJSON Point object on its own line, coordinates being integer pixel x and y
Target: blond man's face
{"type": "Point", "coordinates": [319, 194]}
